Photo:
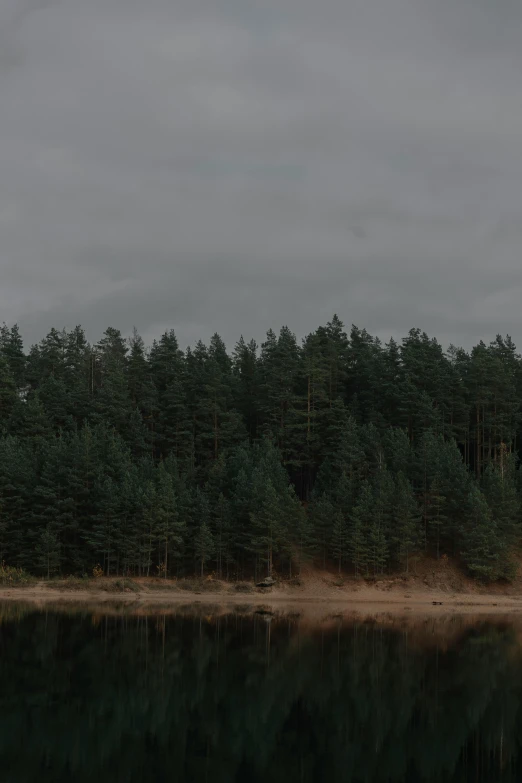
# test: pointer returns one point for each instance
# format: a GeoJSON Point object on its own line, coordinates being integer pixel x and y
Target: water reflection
{"type": "Point", "coordinates": [119, 697]}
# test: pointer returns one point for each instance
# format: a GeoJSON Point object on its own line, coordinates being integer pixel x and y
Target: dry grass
{"type": "Point", "coordinates": [108, 585]}
{"type": "Point", "coordinates": [242, 587]}
{"type": "Point", "coordinates": [161, 585]}
{"type": "Point", "coordinates": [70, 583]}
{"type": "Point", "coordinates": [122, 585]}
{"type": "Point", "coordinates": [200, 585]}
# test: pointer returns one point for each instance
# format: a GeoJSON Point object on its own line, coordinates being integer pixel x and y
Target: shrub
{"type": "Point", "coordinates": [14, 577]}
{"type": "Point", "coordinates": [124, 585]}
{"type": "Point", "coordinates": [243, 587]}
{"type": "Point", "coordinates": [162, 584]}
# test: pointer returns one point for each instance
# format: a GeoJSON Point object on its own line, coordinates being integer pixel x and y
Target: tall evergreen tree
{"type": "Point", "coordinates": [203, 546]}
{"type": "Point", "coordinates": [405, 536]}
{"type": "Point", "coordinates": [482, 549]}
{"type": "Point", "coordinates": [169, 526]}
{"type": "Point", "coordinates": [339, 539]}
{"type": "Point", "coordinates": [12, 350]}
{"type": "Point", "coordinates": [359, 528]}
{"type": "Point", "coordinates": [8, 393]}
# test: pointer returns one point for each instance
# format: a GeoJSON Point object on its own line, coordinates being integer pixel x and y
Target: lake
{"type": "Point", "coordinates": [199, 695]}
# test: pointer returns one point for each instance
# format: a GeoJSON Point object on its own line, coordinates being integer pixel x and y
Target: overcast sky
{"type": "Point", "coordinates": [235, 165]}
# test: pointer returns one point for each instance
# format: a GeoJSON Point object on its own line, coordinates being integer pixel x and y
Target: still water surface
{"type": "Point", "coordinates": [200, 697]}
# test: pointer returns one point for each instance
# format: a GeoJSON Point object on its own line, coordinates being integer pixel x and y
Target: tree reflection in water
{"type": "Point", "coordinates": [120, 697]}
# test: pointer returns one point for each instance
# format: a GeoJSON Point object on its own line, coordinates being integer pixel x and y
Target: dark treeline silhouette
{"type": "Point", "coordinates": [343, 449]}
{"type": "Point", "coordinates": [236, 698]}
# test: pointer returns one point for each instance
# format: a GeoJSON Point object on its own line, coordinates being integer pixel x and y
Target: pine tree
{"type": "Point", "coordinates": [204, 546]}
{"type": "Point", "coordinates": [295, 534]}
{"type": "Point", "coordinates": [322, 512]}
{"type": "Point", "coordinates": [104, 533]}
{"type": "Point", "coordinates": [48, 552]}
{"type": "Point", "coordinates": [278, 369]}
{"type": "Point", "coordinates": [378, 550]}
{"type": "Point", "coordinates": [391, 382]}
{"type": "Point", "coordinates": [454, 483]}
{"type": "Point", "coordinates": [78, 376]}
{"type": "Point", "coordinates": [222, 535]}
{"type": "Point", "coordinates": [383, 492]}
{"type": "Point", "coordinates": [176, 426]}
{"type": "Point", "coordinates": [399, 454]}
{"type": "Point", "coordinates": [339, 539]}
{"type": "Point", "coordinates": [112, 402]}
{"type": "Point", "coordinates": [55, 400]}
{"type": "Point", "coordinates": [302, 534]}
{"type": "Point", "coordinates": [482, 551]}
{"type": "Point", "coordinates": [29, 420]}
{"type": "Point", "coordinates": [265, 522]}
{"type": "Point", "coordinates": [18, 479]}
{"type": "Point", "coordinates": [360, 522]}
{"type": "Point", "coordinates": [169, 526]}
{"type": "Point", "coordinates": [4, 529]}
{"type": "Point", "coordinates": [365, 365]}
{"type": "Point", "coordinates": [435, 515]}
{"type": "Point", "coordinates": [130, 530]}
{"type": "Point", "coordinates": [405, 535]}
{"type": "Point", "coordinates": [52, 506]}
{"type": "Point", "coordinates": [245, 370]}
{"type": "Point", "coordinates": [12, 349]}
{"type": "Point", "coordinates": [8, 392]}
{"type": "Point", "coordinates": [141, 388]}
{"type": "Point", "coordinates": [500, 492]}
{"type": "Point", "coordinates": [336, 357]}
{"type": "Point", "coordinates": [52, 355]}
{"type": "Point", "coordinates": [216, 427]}
{"type": "Point", "coordinates": [308, 414]}
{"type": "Point", "coordinates": [241, 503]}
{"type": "Point", "coordinates": [499, 486]}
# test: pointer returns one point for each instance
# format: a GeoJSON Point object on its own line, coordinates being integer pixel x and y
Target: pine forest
{"type": "Point", "coordinates": [340, 450]}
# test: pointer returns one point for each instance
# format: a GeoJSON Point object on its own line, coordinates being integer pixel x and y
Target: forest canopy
{"type": "Point", "coordinates": [339, 448]}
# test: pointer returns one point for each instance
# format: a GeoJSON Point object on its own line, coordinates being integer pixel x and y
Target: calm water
{"type": "Point", "coordinates": [88, 697]}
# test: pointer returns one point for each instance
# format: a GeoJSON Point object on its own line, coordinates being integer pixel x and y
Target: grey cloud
{"type": "Point", "coordinates": [215, 165]}
{"type": "Point", "coordinates": [12, 16]}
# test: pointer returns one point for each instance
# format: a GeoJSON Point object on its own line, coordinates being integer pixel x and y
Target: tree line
{"type": "Point", "coordinates": [338, 448]}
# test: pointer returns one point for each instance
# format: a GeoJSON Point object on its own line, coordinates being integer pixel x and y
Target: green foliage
{"type": "Point", "coordinates": [482, 547]}
{"type": "Point", "coordinates": [360, 523]}
{"type": "Point", "coordinates": [406, 518]}
{"type": "Point", "coordinates": [48, 552]}
{"type": "Point", "coordinates": [203, 545]}
{"type": "Point", "coordinates": [339, 539]}
{"type": "Point", "coordinates": [340, 449]}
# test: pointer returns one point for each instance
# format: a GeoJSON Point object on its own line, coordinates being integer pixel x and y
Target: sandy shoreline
{"type": "Point", "coordinates": [365, 601]}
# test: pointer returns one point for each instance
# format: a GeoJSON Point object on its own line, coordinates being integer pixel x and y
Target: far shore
{"type": "Point", "coordinates": [316, 597]}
